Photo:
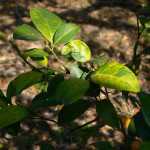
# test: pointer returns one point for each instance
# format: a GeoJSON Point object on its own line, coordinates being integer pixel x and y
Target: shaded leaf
{"type": "Point", "coordinates": [12, 114]}
{"type": "Point", "coordinates": [46, 146]}
{"type": "Point", "coordinates": [53, 83]}
{"type": "Point", "coordinates": [103, 146]}
{"type": "Point", "coordinates": [26, 32]}
{"type": "Point", "coordinates": [78, 50]}
{"type": "Point", "coordinates": [145, 145]}
{"type": "Point", "coordinates": [142, 128]}
{"type": "Point", "coordinates": [117, 76]}
{"type": "Point", "coordinates": [22, 82]}
{"type": "Point", "coordinates": [68, 91]}
{"type": "Point", "coordinates": [70, 112]}
{"type": "Point", "coordinates": [45, 21]}
{"type": "Point", "coordinates": [107, 112]}
{"type": "Point", "coordinates": [145, 102]}
{"type": "Point", "coordinates": [43, 100]}
{"type": "Point", "coordinates": [65, 33]}
{"type": "Point", "coordinates": [3, 99]}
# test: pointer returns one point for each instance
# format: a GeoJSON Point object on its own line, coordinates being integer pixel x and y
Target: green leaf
{"type": "Point", "coordinates": [100, 60]}
{"type": "Point", "coordinates": [103, 146]}
{"type": "Point", "coordinates": [46, 146]}
{"type": "Point", "coordinates": [69, 91]}
{"type": "Point", "coordinates": [117, 76]}
{"type": "Point", "coordinates": [12, 114]}
{"type": "Point", "coordinates": [107, 112]}
{"type": "Point", "coordinates": [142, 128]}
{"type": "Point", "coordinates": [145, 145]}
{"type": "Point", "coordinates": [43, 100]}
{"type": "Point", "coordinates": [26, 32]}
{"type": "Point", "coordinates": [72, 111]}
{"type": "Point", "coordinates": [78, 50]}
{"type": "Point", "coordinates": [145, 102]}
{"type": "Point", "coordinates": [35, 53]}
{"type": "Point", "coordinates": [65, 33]}
{"type": "Point", "coordinates": [22, 82]}
{"type": "Point", "coordinates": [3, 99]}
{"type": "Point", "coordinates": [38, 55]}
{"type": "Point", "coordinates": [53, 83]}
{"type": "Point", "coordinates": [45, 21]}
{"type": "Point", "coordinates": [75, 71]}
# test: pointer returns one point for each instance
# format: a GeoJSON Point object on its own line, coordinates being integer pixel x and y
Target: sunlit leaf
{"type": "Point", "coordinates": [45, 21]}
{"type": "Point", "coordinates": [12, 114]}
{"type": "Point", "coordinates": [78, 50]}
{"type": "Point", "coordinates": [117, 76]}
{"type": "Point", "coordinates": [107, 112]}
{"type": "Point", "coordinates": [35, 53]}
{"type": "Point", "coordinates": [65, 33]}
{"type": "Point", "coordinates": [22, 82]}
{"type": "Point", "coordinates": [26, 32]}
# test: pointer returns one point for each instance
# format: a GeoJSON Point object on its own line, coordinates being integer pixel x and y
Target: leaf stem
{"type": "Point", "coordinates": [51, 49]}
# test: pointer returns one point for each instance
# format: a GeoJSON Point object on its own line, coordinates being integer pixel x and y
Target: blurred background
{"type": "Point", "coordinates": [107, 26]}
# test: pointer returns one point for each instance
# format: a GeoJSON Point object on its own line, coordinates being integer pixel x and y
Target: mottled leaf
{"type": "Point", "coordinates": [117, 76]}
{"type": "Point", "coordinates": [75, 71]}
{"type": "Point", "coordinates": [78, 50]}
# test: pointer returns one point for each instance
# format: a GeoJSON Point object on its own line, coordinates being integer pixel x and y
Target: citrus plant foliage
{"type": "Point", "coordinates": [72, 87]}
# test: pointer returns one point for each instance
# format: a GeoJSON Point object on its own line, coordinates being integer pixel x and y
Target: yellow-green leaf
{"type": "Point", "coordinates": [78, 50]}
{"type": "Point", "coordinates": [117, 76]}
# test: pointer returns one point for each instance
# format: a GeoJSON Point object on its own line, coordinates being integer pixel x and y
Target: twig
{"type": "Point", "coordinates": [134, 57]}
{"type": "Point", "coordinates": [19, 53]}
{"type": "Point", "coordinates": [57, 58]}
{"type": "Point", "coordinates": [44, 119]}
{"type": "Point", "coordinates": [79, 127]}
{"type": "Point", "coordinates": [106, 94]}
